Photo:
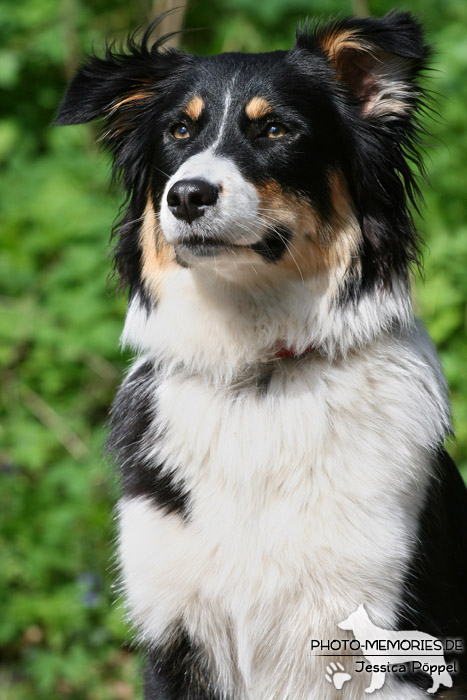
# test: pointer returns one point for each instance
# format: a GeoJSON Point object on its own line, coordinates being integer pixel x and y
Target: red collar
{"type": "Point", "coordinates": [282, 352]}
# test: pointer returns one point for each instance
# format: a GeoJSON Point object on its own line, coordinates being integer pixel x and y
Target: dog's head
{"type": "Point", "coordinates": [292, 160]}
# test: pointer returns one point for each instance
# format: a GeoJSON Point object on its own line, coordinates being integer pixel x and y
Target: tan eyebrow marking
{"type": "Point", "coordinates": [194, 107]}
{"type": "Point", "coordinates": [258, 107]}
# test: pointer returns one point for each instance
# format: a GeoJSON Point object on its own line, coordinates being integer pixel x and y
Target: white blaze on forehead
{"type": "Point", "coordinates": [234, 217]}
{"type": "Point", "coordinates": [223, 122]}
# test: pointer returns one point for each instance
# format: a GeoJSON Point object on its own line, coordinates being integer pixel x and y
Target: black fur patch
{"type": "Point", "coordinates": [177, 671]}
{"type": "Point", "coordinates": [274, 244]}
{"type": "Point", "coordinates": [131, 418]}
{"type": "Point", "coordinates": [435, 595]}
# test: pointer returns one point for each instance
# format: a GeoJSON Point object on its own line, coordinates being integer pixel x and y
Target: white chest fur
{"type": "Point", "coordinates": [304, 498]}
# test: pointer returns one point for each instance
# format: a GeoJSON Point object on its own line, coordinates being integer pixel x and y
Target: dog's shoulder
{"type": "Point", "coordinates": [130, 440]}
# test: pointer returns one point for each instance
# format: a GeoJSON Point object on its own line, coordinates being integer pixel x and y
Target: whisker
{"type": "Point", "coordinates": [283, 211]}
{"type": "Point", "coordinates": [133, 221]}
{"type": "Point", "coordinates": [286, 243]}
{"type": "Point", "coordinates": [161, 171]}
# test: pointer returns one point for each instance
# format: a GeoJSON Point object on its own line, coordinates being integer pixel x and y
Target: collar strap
{"type": "Point", "coordinates": [283, 352]}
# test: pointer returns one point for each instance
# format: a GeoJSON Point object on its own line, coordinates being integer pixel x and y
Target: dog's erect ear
{"type": "Point", "coordinates": [120, 80]}
{"type": "Point", "coordinates": [378, 60]}
{"type": "Point", "coordinates": [99, 87]}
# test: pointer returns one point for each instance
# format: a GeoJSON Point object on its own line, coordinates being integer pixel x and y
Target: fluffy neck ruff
{"type": "Point", "coordinates": [211, 326]}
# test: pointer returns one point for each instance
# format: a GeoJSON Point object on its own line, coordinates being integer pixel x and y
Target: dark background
{"type": "Point", "coordinates": [62, 633]}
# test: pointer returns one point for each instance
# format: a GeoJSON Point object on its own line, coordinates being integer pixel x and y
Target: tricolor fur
{"type": "Point", "coordinates": [267, 494]}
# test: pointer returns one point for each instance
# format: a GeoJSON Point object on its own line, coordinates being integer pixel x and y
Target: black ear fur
{"type": "Point", "coordinates": [377, 59]}
{"type": "Point", "coordinates": [120, 79]}
{"type": "Point", "coordinates": [95, 89]}
{"type": "Point", "coordinates": [374, 66]}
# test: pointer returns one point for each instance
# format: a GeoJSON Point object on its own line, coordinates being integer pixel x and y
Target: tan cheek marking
{"type": "Point", "coordinates": [157, 256]}
{"type": "Point", "coordinates": [344, 230]}
{"type": "Point", "coordinates": [195, 107]}
{"type": "Point", "coordinates": [316, 247]}
{"type": "Point", "coordinates": [257, 108]}
{"type": "Point", "coordinates": [303, 256]}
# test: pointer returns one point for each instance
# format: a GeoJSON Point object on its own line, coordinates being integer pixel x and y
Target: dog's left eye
{"type": "Point", "coordinates": [275, 130]}
{"type": "Point", "coordinates": [180, 131]}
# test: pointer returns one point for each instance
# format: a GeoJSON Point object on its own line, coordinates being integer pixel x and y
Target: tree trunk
{"type": "Point", "coordinates": [174, 21]}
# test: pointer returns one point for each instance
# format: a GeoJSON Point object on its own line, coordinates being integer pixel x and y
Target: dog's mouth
{"type": "Point", "coordinates": [201, 247]}
{"type": "Point", "coordinates": [270, 247]}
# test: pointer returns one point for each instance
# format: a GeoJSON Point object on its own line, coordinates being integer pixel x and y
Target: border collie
{"type": "Point", "coordinates": [280, 433]}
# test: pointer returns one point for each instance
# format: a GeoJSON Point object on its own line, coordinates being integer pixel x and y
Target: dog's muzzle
{"type": "Point", "coordinates": [209, 209]}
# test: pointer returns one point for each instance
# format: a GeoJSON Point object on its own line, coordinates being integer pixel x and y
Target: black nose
{"type": "Point", "coordinates": [188, 199]}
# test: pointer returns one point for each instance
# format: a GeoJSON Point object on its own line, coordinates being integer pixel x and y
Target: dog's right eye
{"type": "Point", "coordinates": [274, 130]}
{"type": "Point", "coordinates": [180, 132]}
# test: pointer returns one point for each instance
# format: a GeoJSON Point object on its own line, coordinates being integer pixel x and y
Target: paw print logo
{"type": "Point", "coordinates": [336, 675]}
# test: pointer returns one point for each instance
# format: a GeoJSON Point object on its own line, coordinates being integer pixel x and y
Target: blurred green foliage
{"type": "Point", "coordinates": [61, 633]}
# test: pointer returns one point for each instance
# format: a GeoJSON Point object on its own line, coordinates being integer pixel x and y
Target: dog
{"type": "Point", "coordinates": [363, 628]}
{"type": "Point", "coordinates": [280, 435]}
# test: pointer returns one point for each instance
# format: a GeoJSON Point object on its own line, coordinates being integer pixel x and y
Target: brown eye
{"type": "Point", "coordinates": [275, 131]}
{"type": "Point", "coordinates": [180, 131]}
